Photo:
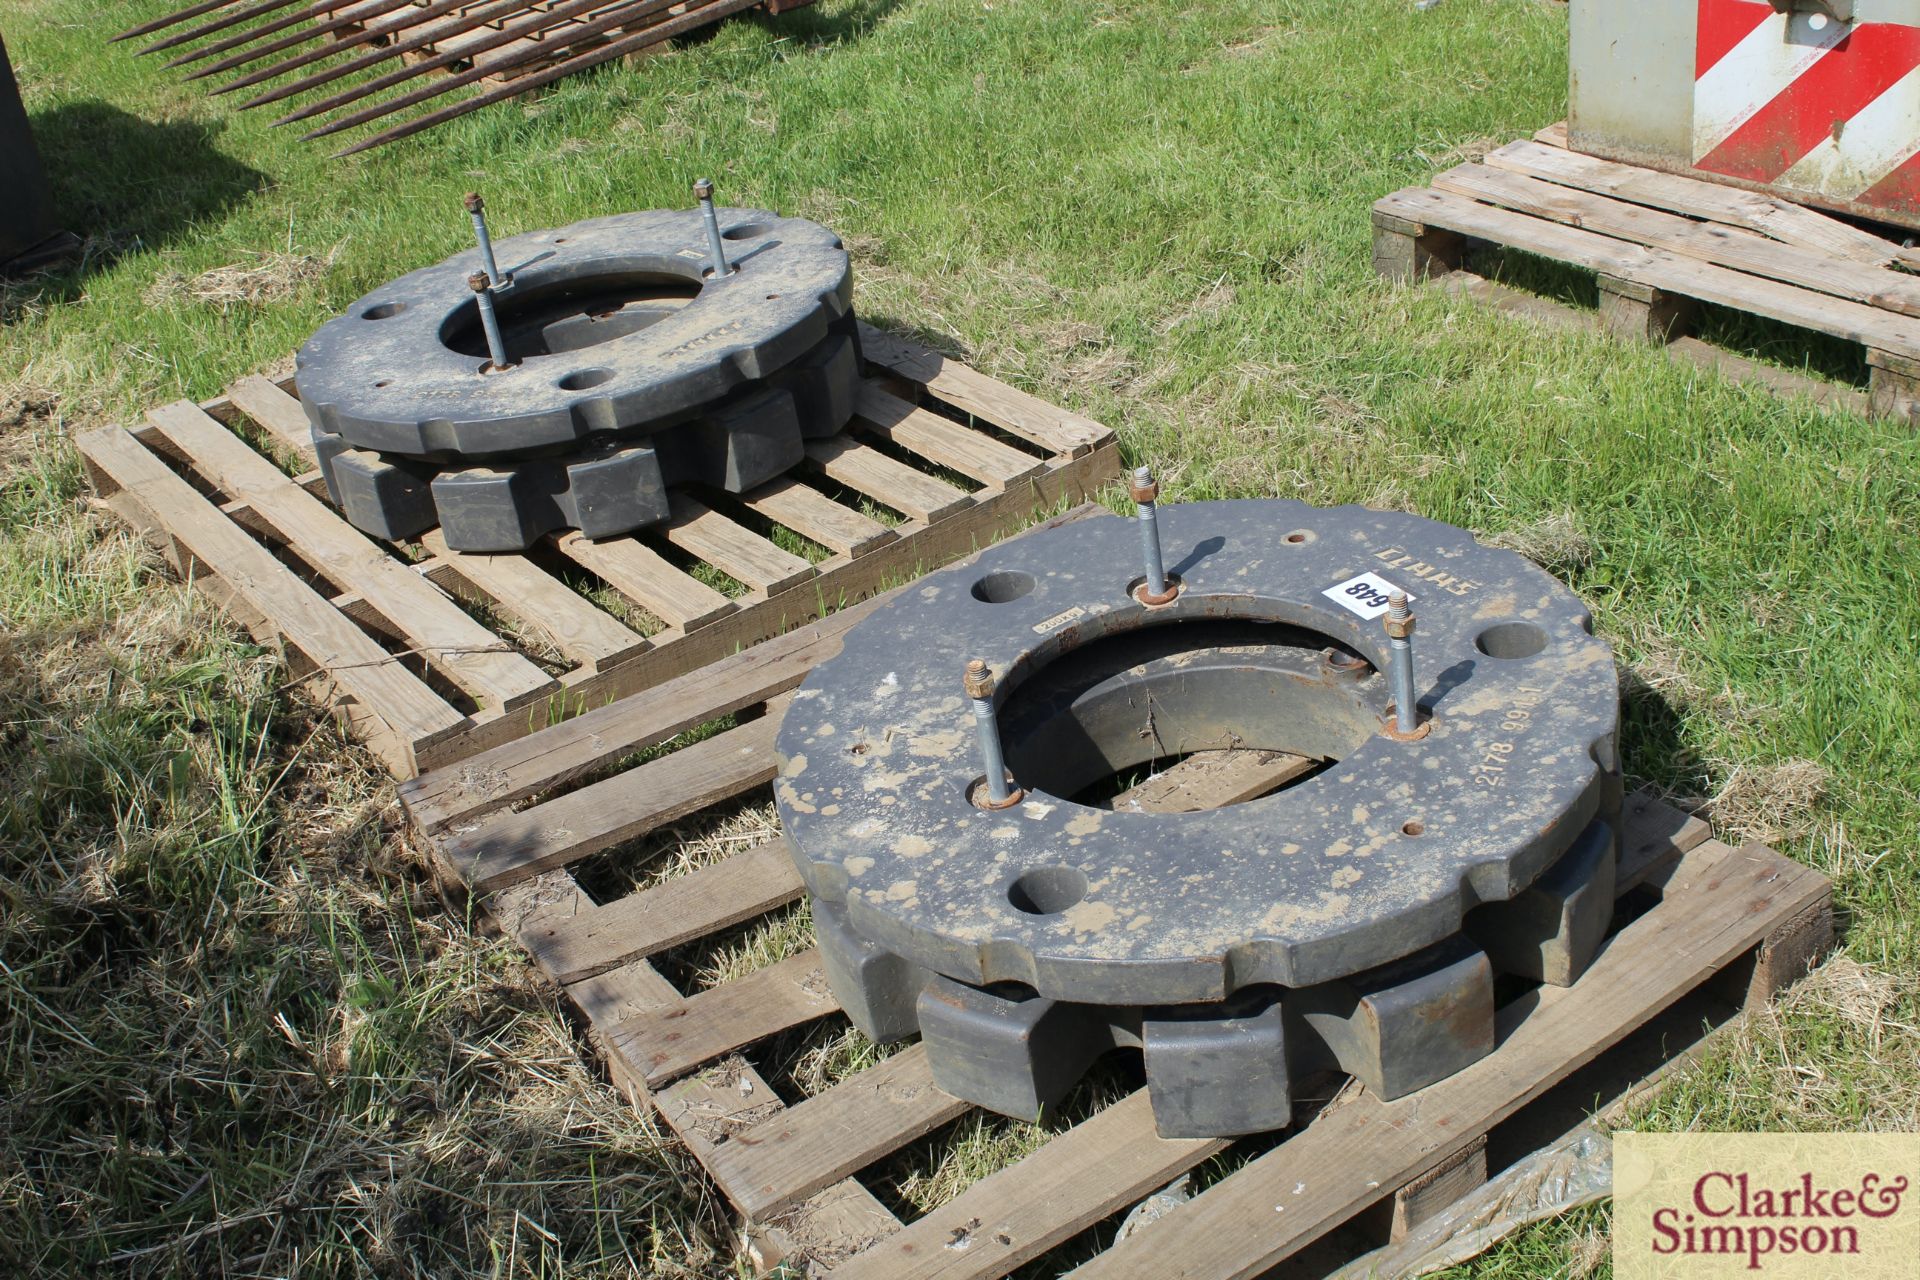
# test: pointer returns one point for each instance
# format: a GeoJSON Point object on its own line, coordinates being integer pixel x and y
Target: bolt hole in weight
{"type": "Point", "coordinates": [1510, 640]}
{"type": "Point", "coordinates": [583, 379]}
{"type": "Point", "coordinates": [385, 311]}
{"type": "Point", "coordinates": [1003, 588]}
{"type": "Point", "coordinates": [1047, 891]}
{"type": "Point", "coordinates": [746, 231]}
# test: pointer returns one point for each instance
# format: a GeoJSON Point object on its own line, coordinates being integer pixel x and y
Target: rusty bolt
{"type": "Point", "coordinates": [482, 287]}
{"type": "Point", "coordinates": [1399, 620]}
{"type": "Point", "coordinates": [476, 207]}
{"type": "Point", "coordinates": [1399, 625]}
{"type": "Point", "coordinates": [979, 680]}
{"type": "Point", "coordinates": [1142, 487]}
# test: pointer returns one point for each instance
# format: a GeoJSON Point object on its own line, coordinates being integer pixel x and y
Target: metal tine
{"type": "Point", "coordinates": [469, 21]}
{"type": "Point", "coordinates": [171, 19]}
{"type": "Point", "coordinates": [307, 14]}
{"type": "Point", "coordinates": [547, 17]}
{"type": "Point", "coordinates": [412, 16]}
{"type": "Point", "coordinates": [225, 20]}
{"type": "Point", "coordinates": [692, 20]}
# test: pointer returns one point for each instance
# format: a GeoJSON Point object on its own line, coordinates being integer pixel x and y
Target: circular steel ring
{"type": "Point", "coordinates": [1362, 864]}
{"type": "Point", "coordinates": [615, 324]}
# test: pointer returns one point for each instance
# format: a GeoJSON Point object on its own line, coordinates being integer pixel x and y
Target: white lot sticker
{"type": "Point", "coordinates": [1365, 595]}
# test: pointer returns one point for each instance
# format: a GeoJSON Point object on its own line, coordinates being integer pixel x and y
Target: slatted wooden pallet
{"type": "Point", "coordinates": [959, 457]}
{"type": "Point", "coordinates": [1658, 244]}
{"type": "Point", "coordinates": [510, 823]}
{"type": "Point", "coordinates": [524, 55]}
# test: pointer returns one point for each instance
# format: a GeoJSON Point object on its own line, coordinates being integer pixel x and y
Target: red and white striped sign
{"type": "Point", "coordinates": [1809, 103]}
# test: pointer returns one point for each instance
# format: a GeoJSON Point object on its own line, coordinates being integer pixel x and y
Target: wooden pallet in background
{"type": "Point", "coordinates": [1658, 244]}
{"type": "Point", "coordinates": [381, 630]}
{"type": "Point", "coordinates": [510, 823]}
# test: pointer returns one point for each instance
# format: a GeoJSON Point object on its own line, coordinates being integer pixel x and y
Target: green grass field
{"type": "Point", "coordinates": [244, 1037]}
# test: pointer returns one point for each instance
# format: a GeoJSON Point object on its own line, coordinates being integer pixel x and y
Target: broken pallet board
{"type": "Point", "coordinates": [512, 824]}
{"type": "Point", "coordinates": [431, 655]}
{"type": "Point", "coordinates": [1659, 244]}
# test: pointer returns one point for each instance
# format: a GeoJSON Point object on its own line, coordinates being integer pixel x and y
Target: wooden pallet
{"type": "Point", "coordinates": [535, 51]}
{"type": "Point", "coordinates": [381, 629]}
{"type": "Point", "coordinates": [1659, 244]}
{"type": "Point", "coordinates": [509, 823]}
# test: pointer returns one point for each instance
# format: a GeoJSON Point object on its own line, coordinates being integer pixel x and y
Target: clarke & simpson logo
{"type": "Point", "coordinates": [1782, 1205]}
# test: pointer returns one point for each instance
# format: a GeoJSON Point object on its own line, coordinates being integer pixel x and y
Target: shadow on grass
{"type": "Point", "coordinates": [125, 184]}
{"type": "Point", "coordinates": [1741, 332]}
{"type": "Point", "coordinates": [815, 26]}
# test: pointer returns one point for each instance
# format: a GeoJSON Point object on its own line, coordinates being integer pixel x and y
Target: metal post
{"type": "Point", "coordinates": [1399, 625]}
{"type": "Point", "coordinates": [478, 208]}
{"type": "Point", "coordinates": [1145, 491]}
{"type": "Point", "coordinates": [979, 686]}
{"type": "Point", "coordinates": [703, 192]}
{"type": "Point", "coordinates": [482, 288]}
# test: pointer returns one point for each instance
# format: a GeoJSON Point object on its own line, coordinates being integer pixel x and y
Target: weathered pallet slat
{"type": "Point", "coordinates": [264, 594]}
{"type": "Point", "coordinates": [733, 549]}
{"type": "Point", "coordinates": [597, 938]}
{"type": "Point", "coordinates": [797, 1171]}
{"type": "Point", "coordinates": [588, 635]}
{"type": "Point", "coordinates": [1658, 244]}
{"type": "Point", "coordinates": [885, 480]}
{"type": "Point", "coordinates": [463, 650]}
{"type": "Point", "coordinates": [1721, 903]}
{"type": "Point", "coordinates": [413, 604]}
{"type": "Point", "coordinates": [582, 823]}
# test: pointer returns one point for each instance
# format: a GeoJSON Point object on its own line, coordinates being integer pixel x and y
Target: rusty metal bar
{"type": "Point", "coordinates": [225, 20]}
{"type": "Point", "coordinates": [477, 17]}
{"type": "Point", "coordinates": [412, 15]}
{"type": "Point", "coordinates": [612, 18]}
{"type": "Point", "coordinates": [469, 22]}
{"type": "Point", "coordinates": [171, 19]}
{"type": "Point", "coordinates": [693, 20]}
{"type": "Point", "coordinates": [266, 29]}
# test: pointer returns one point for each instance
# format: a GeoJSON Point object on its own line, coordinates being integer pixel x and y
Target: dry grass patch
{"type": "Point", "coordinates": [267, 279]}
{"type": "Point", "coordinates": [1771, 803]}
{"type": "Point", "coordinates": [1557, 543]}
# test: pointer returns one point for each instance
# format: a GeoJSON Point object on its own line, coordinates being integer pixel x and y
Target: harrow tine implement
{"type": "Point", "coordinates": [548, 17]}
{"type": "Point", "coordinates": [471, 21]}
{"type": "Point", "coordinates": [679, 25]}
{"type": "Point", "coordinates": [171, 19]}
{"type": "Point", "coordinates": [232, 18]}
{"type": "Point", "coordinates": [412, 16]}
{"type": "Point", "coordinates": [306, 15]}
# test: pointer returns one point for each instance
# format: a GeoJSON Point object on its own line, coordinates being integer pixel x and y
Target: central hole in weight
{"type": "Point", "coordinates": [571, 315]}
{"type": "Point", "coordinates": [1103, 724]}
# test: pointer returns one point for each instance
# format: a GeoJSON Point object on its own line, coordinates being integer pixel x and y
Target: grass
{"type": "Point", "coordinates": [243, 1035]}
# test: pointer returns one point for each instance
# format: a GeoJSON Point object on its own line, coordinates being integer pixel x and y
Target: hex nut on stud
{"type": "Point", "coordinates": [978, 680]}
{"type": "Point", "coordinates": [1156, 587]}
{"type": "Point", "coordinates": [994, 791]}
{"type": "Point", "coordinates": [1405, 724]}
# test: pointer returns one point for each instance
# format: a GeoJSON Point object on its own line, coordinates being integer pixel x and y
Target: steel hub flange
{"type": "Point", "coordinates": [614, 324]}
{"type": "Point", "coordinates": [1369, 861]}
